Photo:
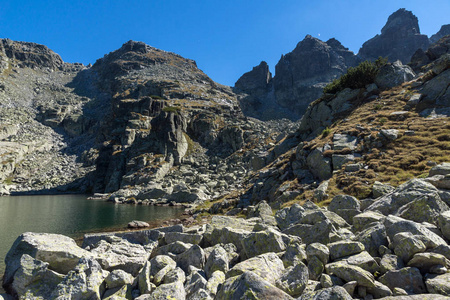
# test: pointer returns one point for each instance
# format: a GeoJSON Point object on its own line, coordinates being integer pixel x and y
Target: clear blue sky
{"type": "Point", "coordinates": [226, 38]}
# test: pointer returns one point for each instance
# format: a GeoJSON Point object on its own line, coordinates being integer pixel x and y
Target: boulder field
{"type": "Point", "coordinates": [393, 247]}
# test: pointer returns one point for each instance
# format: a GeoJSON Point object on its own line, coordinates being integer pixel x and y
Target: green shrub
{"type": "Point", "coordinates": [357, 77]}
{"type": "Point", "coordinates": [326, 132]}
{"type": "Point", "coordinates": [382, 120]}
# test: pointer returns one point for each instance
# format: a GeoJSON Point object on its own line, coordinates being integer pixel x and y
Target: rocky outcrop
{"type": "Point", "coordinates": [299, 79]}
{"type": "Point", "coordinates": [399, 39]}
{"type": "Point", "coordinates": [445, 30]}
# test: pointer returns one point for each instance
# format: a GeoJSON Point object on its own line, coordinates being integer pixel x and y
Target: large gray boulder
{"type": "Point", "coordinates": [403, 195]}
{"type": "Point", "coordinates": [217, 261]}
{"type": "Point", "coordinates": [262, 242]}
{"type": "Point", "coordinates": [294, 279]}
{"type": "Point", "coordinates": [195, 257]}
{"type": "Point", "coordinates": [159, 266]}
{"type": "Point", "coordinates": [86, 281]}
{"type": "Point", "coordinates": [396, 225]}
{"type": "Point", "coordinates": [438, 284]}
{"type": "Point", "coordinates": [393, 74]}
{"type": "Point", "coordinates": [408, 279]}
{"type": "Point", "coordinates": [33, 279]}
{"type": "Point", "coordinates": [289, 215]}
{"type": "Point", "coordinates": [118, 253]}
{"type": "Point", "coordinates": [60, 252]}
{"type": "Point", "coordinates": [319, 232]}
{"type": "Point", "coordinates": [249, 284]}
{"type": "Point", "coordinates": [267, 266]}
{"type": "Point", "coordinates": [344, 248]}
{"type": "Point", "coordinates": [350, 273]}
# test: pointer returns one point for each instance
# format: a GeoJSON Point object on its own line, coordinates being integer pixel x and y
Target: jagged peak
{"type": "Point", "coordinates": [335, 44]}
{"type": "Point", "coordinates": [403, 20]}
{"type": "Point", "coordinates": [310, 43]}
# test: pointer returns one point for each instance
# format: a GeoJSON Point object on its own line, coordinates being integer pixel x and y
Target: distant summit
{"type": "Point", "coordinates": [300, 78]}
{"type": "Point", "coordinates": [399, 39]}
{"type": "Point", "coordinates": [301, 75]}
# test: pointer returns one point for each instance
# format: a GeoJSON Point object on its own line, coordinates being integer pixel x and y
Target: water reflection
{"type": "Point", "coordinates": [71, 215]}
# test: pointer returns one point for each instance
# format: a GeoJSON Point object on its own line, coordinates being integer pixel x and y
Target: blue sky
{"type": "Point", "coordinates": [226, 38]}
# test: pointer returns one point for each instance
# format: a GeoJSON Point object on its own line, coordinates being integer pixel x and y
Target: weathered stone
{"type": "Point", "coordinates": [33, 279]}
{"type": "Point", "coordinates": [408, 279]}
{"type": "Point", "coordinates": [319, 165]}
{"type": "Point", "coordinates": [119, 293]}
{"type": "Point", "coordinates": [361, 220]}
{"type": "Point", "coordinates": [120, 254]}
{"type": "Point", "coordinates": [335, 293]}
{"type": "Point", "coordinates": [226, 235]}
{"type": "Point", "coordinates": [217, 261]}
{"type": "Point", "coordinates": [215, 280]}
{"type": "Point", "coordinates": [444, 224]}
{"type": "Point", "coordinates": [143, 279]}
{"type": "Point", "coordinates": [423, 209]}
{"type": "Point", "coordinates": [138, 224]}
{"type": "Point", "coordinates": [118, 278]}
{"type": "Point", "coordinates": [159, 266]}
{"type": "Point", "coordinates": [290, 215]}
{"type": "Point", "coordinates": [396, 225]}
{"type": "Point", "coordinates": [406, 246]}
{"type": "Point", "coordinates": [174, 248]}
{"type": "Point", "coordinates": [249, 284]}
{"type": "Point", "coordinates": [343, 141]}
{"type": "Point", "coordinates": [389, 134]}
{"type": "Point", "coordinates": [441, 169]}
{"type": "Point", "coordinates": [438, 284]}
{"type": "Point", "coordinates": [315, 267]}
{"type": "Point", "coordinates": [294, 279]}
{"type": "Point", "coordinates": [262, 242]}
{"type": "Point", "coordinates": [344, 248]}
{"type": "Point", "coordinates": [169, 291]}
{"type": "Point", "coordinates": [321, 251]}
{"type": "Point", "coordinates": [372, 238]}
{"type": "Point", "coordinates": [319, 232]}
{"type": "Point", "coordinates": [192, 257]}
{"type": "Point", "coordinates": [268, 266]}
{"type": "Point", "coordinates": [294, 254]}
{"type": "Point", "coordinates": [194, 282]}
{"type": "Point", "coordinates": [390, 262]}
{"type": "Point", "coordinates": [350, 273]}
{"type": "Point", "coordinates": [426, 261]}
{"type": "Point", "coordinates": [365, 261]}
{"type": "Point", "coordinates": [60, 252]}
{"type": "Point", "coordinates": [402, 195]}
{"type": "Point", "coordinates": [380, 189]}
{"type": "Point", "coordinates": [379, 290]}
{"type": "Point", "coordinates": [314, 216]}
{"type": "Point", "coordinates": [175, 275]}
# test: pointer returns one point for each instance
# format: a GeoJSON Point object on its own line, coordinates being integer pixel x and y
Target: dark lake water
{"type": "Point", "coordinates": [71, 215]}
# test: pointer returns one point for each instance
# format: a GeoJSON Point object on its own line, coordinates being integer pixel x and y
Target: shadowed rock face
{"type": "Point", "coordinates": [445, 30]}
{"type": "Point", "coordinates": [399, 39]}
{"type": "Point", "coordinates": [300, 78]}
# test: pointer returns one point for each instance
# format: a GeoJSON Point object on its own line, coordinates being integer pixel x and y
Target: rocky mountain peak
{"type": "Point", "coordinates": [402, 22]}
{"type": "Point", "coordinates": [445, 30]}
{"type": "Point", "coordinates": [399, 39]}
{"type": "Point", "coordinates": [258, 78]}
{"type": "Point", "coordinates": [26, 54]}
{"type": "Point", "coordinates": [335, 44]}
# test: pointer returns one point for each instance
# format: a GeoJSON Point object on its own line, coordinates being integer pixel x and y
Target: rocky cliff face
{"type": "Point", "coordinates": [300, 78]}
{"type": "Point", "coordinates": [445, 30]}
{"type": "Point", "coordinates": [399, 39]}
{"type": "Point", "coordinates": [141, 123]}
